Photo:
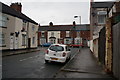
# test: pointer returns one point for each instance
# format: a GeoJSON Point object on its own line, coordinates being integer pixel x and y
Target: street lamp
{"type": "Point", "coordinates": [79, 33]}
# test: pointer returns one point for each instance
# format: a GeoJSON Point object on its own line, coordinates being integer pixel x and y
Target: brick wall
{"type": "Point", "coordinates": [85, 34]}
{"type": "Point", "coordinates": [63, 34]}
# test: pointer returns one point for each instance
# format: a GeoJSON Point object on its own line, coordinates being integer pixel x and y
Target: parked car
{"type": "Point", "coordinates": [58, 53]}
{"type": "Point", "coordinates": [46, 44]}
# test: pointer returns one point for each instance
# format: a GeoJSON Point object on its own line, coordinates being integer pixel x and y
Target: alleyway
{"type": "Point", "coordinates": [83, 65]}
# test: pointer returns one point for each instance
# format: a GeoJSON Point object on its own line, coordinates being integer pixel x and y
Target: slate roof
{"type": "Point", "coordinates": [56, 28]}
{"type": "Point", "coordinates": [8, 10]}
{"type": "Point", "coordinates": [64, 27]}
{"type": "Point", "coordinates": [102, 4]}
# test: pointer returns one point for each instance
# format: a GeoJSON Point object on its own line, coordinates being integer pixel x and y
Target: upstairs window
{"type": "Point", "coordinates": [42, 34]}
{"type": "Point", "coordinates": [52, 34]}
{"type": "Point", "coordinates": [33, 27]}
{"type": "Point", "coordinates": [3, 20]}
{"type": "Point", "coordinates": [24, 25]}
{"type": "Point", "coordinates": [2, 39]}
{"type": "Point", "coordinates": [67, 33]}
{"type": "Point", "coordinates": [101, 17]}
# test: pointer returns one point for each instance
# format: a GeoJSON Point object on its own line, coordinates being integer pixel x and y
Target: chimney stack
{"type": "Point", "coordinates": [50, 24]}
{"type": "Point", "coordinates": [17, 6]}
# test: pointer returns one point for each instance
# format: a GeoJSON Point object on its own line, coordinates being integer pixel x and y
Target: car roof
{"type": "Point", "coordinates": [60, 44]}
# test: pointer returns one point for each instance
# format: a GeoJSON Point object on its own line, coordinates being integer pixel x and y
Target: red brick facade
{"type": "Point", "coordinates": [85, 34]}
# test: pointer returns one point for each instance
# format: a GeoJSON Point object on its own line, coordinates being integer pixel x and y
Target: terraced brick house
{"type": "Point", "coordinates": [64, 34]}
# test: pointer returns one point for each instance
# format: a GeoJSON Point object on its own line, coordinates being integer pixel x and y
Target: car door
{"type": "Point", "coordinates": [68, 51]}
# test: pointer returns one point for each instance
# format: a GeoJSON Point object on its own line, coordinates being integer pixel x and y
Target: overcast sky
{"type": "Point", "coordinates": [56, 11]}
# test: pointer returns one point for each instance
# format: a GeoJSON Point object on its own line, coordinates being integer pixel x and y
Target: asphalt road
{"type": "Point", "coordinates": [30, 65]}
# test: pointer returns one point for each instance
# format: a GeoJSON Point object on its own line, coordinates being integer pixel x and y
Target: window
{"type": "Point", "coordinates": [77, 41]}
{"type": "Point", "coordinates": [23, 39]}
{"type": "Point", "coordinates": [42, 40]}
{"type": "Point", "coordinates": [33, 41]}
{"type": "Point", "coordinates": [101, 19]}
{"type": "Point", "coordinates": [67, 33]}
{"type": "Point", "coordinates": [67, 41]}
{"type": "Point", "coordinates": [52, 34]}
{"type": "Point", "coordinates": [56, 48]}
{"type": "Point", "coordinates": [42, 34]}
{"type": "Point", "coordinates": [2, 39]}
{"type": "Point", "coordinates": [52, 40]}
{"type": "Point", "coordinates": [33, 28]}
{"type": "Point", "coordinates": [3, 20]}
{"type": "Point", "coordinates": [24, 25]}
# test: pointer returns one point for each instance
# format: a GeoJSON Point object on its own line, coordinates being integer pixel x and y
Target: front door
{"type": "Point", "coordinates": [11, 42]}
{"type": "Point", "coordinates": [16, 43]}
{"type": "Point", "coordinates": [29, 43]}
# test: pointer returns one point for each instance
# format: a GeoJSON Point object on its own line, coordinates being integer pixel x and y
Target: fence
{"type": "Point", "coordinates": [116, 50]}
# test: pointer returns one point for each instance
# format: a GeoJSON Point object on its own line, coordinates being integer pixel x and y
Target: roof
{"type": "Point", "coordinates": [83, 27]}
{"type": "Point", "coordinates": [64, 27]}
{"type": "Point", "coordinates": [8, 10]}
{"type": "Point", "coordinates": [102, 4]}
{"type": "Point", "coordinates": [55, 28]}
{"type": "Point", "coordinates": [59, 44]}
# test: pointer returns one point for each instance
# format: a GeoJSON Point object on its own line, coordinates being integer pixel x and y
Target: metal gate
{"type": "Point", "coordinates": [101, 46]}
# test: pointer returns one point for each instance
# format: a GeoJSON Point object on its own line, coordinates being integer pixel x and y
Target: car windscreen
{"type": "Point", "coordinates": [56, 48]}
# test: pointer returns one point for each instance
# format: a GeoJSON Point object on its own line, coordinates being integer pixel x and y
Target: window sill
{"type": "Point", "coordinates": [2, 45]}
{"type": "Point", "coordinates": [3, 27]}
{"type": "Point", "coordinates": [23, 45]}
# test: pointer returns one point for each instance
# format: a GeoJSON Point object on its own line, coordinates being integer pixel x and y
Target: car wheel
{"type": "Point", "coordinates": [46, 61]}
{"type": "Point", "coordinates": [69, 58]}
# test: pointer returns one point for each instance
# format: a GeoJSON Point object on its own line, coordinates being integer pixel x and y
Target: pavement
{"type": "Point", "coordinates": [16, 52]}
{"type": "Point", "coordinates": [83, 65]}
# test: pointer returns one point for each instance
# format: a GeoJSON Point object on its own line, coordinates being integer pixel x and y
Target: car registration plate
{"type": "Point", "coordinates": [54, 58]}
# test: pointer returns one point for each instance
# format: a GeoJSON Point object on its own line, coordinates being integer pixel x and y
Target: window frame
{"type": "Point", "coordinates": [2, 39]}
{"type": "Point", "coordinates": [23, 40]}
{"type": "Point", "coordinates": [3, 20]}
{"type": "Point", "coordinates": [102, 21]}
{"type": "Point", "coordinates": [67, 33]}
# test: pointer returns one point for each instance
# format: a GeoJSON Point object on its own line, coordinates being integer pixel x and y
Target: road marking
{"type": "Point", "coordinates": [28, 58]}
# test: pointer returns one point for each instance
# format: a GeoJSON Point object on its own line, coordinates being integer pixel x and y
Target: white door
{"type": "Point", "coordinates": [11, 42]}
{"type": "Point", "coordinates": [16, 43]}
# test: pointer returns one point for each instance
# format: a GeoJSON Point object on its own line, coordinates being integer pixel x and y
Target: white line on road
{"type": "Point", "coordinates": [28, 58]}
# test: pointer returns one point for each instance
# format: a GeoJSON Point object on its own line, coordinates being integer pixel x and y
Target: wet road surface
{"type": "Point", "coordinates": [30, 65]}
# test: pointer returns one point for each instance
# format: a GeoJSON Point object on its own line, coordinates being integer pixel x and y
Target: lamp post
{"type": "Point", "coordinates": [79, 33]}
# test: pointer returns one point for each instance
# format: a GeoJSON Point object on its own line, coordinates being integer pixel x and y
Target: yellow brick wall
{"type": "Point", "coordinates": [108, 57]}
